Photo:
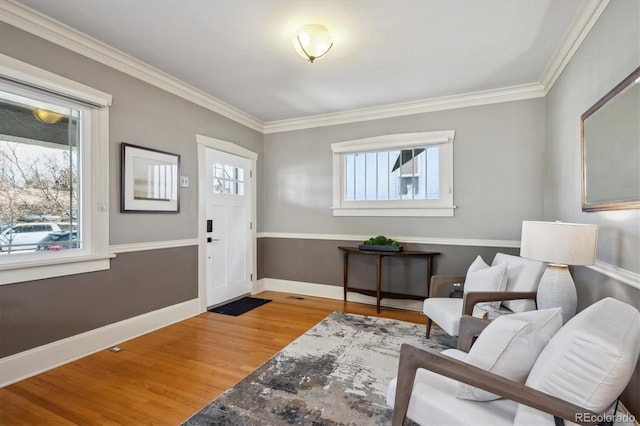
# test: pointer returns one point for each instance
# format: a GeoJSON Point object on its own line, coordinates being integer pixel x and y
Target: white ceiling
{"type": "Point", "coordinates": [385, 51]}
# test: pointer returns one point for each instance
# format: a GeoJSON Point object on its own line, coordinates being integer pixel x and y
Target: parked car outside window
{"type": "Point", "coordinates": [25, 236]}
{"type": "Point", "coordinates": [57, 241]}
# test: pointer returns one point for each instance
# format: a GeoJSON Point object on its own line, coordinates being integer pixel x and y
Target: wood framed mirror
{"type": "Point", "coordinates": [610, 146]}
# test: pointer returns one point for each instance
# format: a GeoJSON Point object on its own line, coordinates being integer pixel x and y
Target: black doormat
{"type": "Point", "coordinates": [240, 306]}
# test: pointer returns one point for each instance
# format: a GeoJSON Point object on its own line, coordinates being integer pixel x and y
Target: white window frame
{"type": "Point", "coordinates": [442, 207]}
{"type": "Point", "coordinates": [94, 197]}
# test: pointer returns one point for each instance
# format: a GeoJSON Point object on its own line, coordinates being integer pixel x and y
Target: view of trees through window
{"type": "Point", "coordinates": [39, 183]}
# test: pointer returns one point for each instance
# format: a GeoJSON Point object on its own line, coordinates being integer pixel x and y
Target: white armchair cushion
{"type": "Point", "coordinates": [445, 311]}
{"type": "Point", "coordinates": [509, 347]}
{"type": "Point", "coordinates": [589, 361]}
{"type": "Point", "coordinates": [433, 402]}
{"type": "Point", "coordinates": [524, 275]}
{"type": "Point", "coordinates": [492, 278]}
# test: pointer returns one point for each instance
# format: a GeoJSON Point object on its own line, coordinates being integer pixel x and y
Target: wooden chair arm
{"type": "Point", "coordinates": [441, 285]}
{"type": "Point", "coordinates": [470, 328]}
{"type": "Point", "coordinates": [473, 297]}
{"type": "Point", "coordinates": [412, 358]}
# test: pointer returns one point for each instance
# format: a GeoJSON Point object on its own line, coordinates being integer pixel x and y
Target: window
{"type": "Point", "coordinates": [228, 179]}
{"type": "Point", "coordinates": [394, 175]}
{"type": "Point", "coordinates": [53, 175]}
{"type": "Point", "coordinates": [40, 146]}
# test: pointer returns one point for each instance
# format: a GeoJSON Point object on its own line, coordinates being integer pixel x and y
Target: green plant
{"type": "Point", "coordinates": [381, 240]}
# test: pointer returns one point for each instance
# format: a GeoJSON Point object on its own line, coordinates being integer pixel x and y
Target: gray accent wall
{"type": "Point", "coordinates": [498, 174]}
{"type": "Point", "coordinates": [38, 312]}
{"type": "Point", "coordinates": [608, 54]}
{"type": "Point", "coordinates": [321, 262]}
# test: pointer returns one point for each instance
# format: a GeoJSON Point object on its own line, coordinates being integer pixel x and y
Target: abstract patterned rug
{"type": "Point", "coordinates": [336, 373]}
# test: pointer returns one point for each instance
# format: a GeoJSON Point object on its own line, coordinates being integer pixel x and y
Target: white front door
{"type": "Point", "coordinates": [229, 235]}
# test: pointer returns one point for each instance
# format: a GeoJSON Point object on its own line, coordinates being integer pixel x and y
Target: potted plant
{"type": "Point", "coordinates": [380, 243]}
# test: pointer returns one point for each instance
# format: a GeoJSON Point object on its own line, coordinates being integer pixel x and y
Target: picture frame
{"type": "Point", "coordinates": [609, 135]}
{"type": "Point", "coordinates": [149, 180]}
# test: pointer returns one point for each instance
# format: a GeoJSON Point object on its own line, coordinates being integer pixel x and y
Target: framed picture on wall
{"type": "Point", "coordinates": [149, 180]}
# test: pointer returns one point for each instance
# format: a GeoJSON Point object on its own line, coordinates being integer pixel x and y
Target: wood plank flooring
{"type": "Point", "coordinates": [164, 377]}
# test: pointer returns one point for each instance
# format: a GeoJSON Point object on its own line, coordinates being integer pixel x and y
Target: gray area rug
{"type": "Point", "coordinates": [336, 373]}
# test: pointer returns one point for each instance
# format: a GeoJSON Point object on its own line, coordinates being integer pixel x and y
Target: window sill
{"type": "Point", "coordinates": [37, 270]}
{"type": "Point", "coordinates": [401, 212]}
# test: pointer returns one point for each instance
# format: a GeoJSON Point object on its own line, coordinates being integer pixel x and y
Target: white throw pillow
{"type": "Point", "coordinates": [524, 275]}
{"type": "Point", "coordinates": [477, 265]}
{"type": "Point", "coordinates": [492, 278]}
{"type": "Point", "coordinates": [509, 347]}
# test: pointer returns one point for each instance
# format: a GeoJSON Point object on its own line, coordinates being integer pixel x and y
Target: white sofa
{"type": "Point", "coordinates": [583, 368]}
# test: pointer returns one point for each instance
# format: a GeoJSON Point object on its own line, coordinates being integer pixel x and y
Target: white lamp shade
{"type": "Point", "coordinates": [312, 41]}
{"type": "Point", "coordinates": [559, 243]}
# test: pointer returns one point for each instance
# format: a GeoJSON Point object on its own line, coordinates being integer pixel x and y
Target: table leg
{"type": "Point", "coordinates": [429, 274]}
{"type": "Point", "coordinates": [345, 266]}
{"type": "Point", "coordinates": [378, 282]}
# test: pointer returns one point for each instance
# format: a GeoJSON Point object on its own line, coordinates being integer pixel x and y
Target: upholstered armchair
{"type": "Point", "coordinates": [508, 285]}
{"type": "Point", "coordinates": [524, 369]}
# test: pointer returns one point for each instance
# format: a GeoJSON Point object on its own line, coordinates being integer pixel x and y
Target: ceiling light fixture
{"type": "Point", "coordinates": [47, 117]}
{"type": "Point", "coordinates": [312, 42]}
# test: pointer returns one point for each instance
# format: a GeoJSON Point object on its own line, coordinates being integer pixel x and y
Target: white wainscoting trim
{"type": "Point", "coordinates": [332, 292]}
{"type": "Point", "coordinates": [623, 275]}
{"type": "Point", "coordinates": [414, 240]}
{"type": "Point", "coordinates": [37, 360]}
{"type": "Point", "coordinates": [154, 245]}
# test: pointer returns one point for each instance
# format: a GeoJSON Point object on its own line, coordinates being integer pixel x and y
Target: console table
{"type": "Point", "coordinates": [427, 255]}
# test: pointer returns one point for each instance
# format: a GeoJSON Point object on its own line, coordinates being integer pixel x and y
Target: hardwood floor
{"type": "Point", "coordinates": [164, 377]}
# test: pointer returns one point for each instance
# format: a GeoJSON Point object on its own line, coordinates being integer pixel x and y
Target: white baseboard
{"type": "Point", "coordinates": [332, 292]}
{"type": "Point", "coordinates": [37, 360]}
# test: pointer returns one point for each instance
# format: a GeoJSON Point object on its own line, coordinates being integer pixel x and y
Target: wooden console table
{"type": "Point", "coordinates": [428, 255]}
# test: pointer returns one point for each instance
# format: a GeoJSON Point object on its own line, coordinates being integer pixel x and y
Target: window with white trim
{"type": "Point", "coordinates": [408, 174]}
{"type": "Point", "coordinates": [228, 179]}
{"type": "Point", "coordinates": [53, 175]}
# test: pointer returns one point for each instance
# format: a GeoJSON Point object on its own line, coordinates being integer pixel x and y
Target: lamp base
{"type": "Point", "coordinates": [556, 288]}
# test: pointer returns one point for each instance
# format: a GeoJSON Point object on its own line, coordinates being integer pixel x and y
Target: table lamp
{"type": "Point", "coordinates": [559, 244]}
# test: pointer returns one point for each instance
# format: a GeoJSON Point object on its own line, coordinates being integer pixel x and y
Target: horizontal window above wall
{"type": "Point", "coordinates": [408, 174]}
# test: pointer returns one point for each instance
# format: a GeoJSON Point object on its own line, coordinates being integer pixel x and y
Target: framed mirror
{"type": "Point", "coordinates": [610, 133]}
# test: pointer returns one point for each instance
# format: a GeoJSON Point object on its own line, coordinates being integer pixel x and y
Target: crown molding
{"type": "Point", "coordinates": [51, 30]}
{"type": "Point", "coordinates": [507, 94]}
{"type": "Point", "coordinates": [56, 32]}
{"type": "Point", "coordinates": [580, 27]}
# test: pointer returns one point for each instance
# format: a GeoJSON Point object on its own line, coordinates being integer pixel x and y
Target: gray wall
{"type": "Point", "coordinates": [38, 312]}
{"type": "Point", "coordinates": [321, 262]}
{"type": "Point", "coordinates": [498, 179]}
{"type": "Point", "coordinates": [498, 174]}
{"type": "Point", "coordinates": [608, 54]}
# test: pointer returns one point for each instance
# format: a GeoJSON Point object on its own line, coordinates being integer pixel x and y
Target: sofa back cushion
{"type": "Point", "coordinates": [589, 361]}
{"type": "Point", "coordinates": [523, 275]}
